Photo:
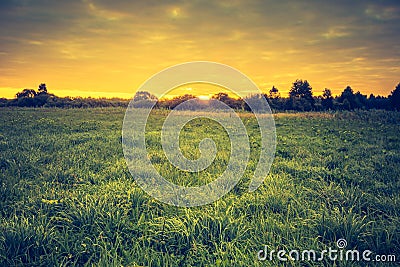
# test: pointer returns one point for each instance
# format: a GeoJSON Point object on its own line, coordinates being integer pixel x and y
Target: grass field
{"type": "Point", "coordinates": [67, 198]}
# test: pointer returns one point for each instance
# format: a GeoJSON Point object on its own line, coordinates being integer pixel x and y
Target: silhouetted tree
{"type": "Point", "coordinates": [377, 102]}
{"type": "Point", "coordinates": [395, 98]}
{"type": "Point", "coordinates": [144, 99]}
{"type": "Point", "coordinates": [231, 102]}
{"type": "Point", "coordinates": [3, 102]}
{"type": "Point", "coordinates": [327, 99]}
{"type": "Point", "coordinates": [274, 93]}
{"type": "Point", "coordinates": [172, 103]}
{"type": "Point", "coordinates": [257, 102]}
{"type": "Point", "coordinates": [349, 96]}
{"type": "Point", "coordinates": [382, 102]}
{"type": "Point", "coordinates": [223, 97]}
{"type": "Point", "coordinates": [327, 93]}
{"type": "Point", "coordinates": [143, 95]}
{"type": "Point", "coordinates": [301, 97]}
{"type": "Point", "coordinates": [26, 98]}
{"type": "Point", "coordinates": [360, 100]}
{"type": "Point", "coordinates": [26, 93]}
{"type": "Point", "coordinates": [346, 104]}
{"type": "Point", "coordinates": [42, 89]}
{"type": "Point", "coordinates": [275, 100]}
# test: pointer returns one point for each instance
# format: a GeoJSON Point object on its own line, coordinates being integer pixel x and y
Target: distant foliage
{"type": "Point", "coordinates": [300, 98]}
{"type": "Point", "coordinates": [42, 89]}
{"type": "Point", "coordinates": [143, 95]}
{"type": "Point", "coordinates": [257, 102]}
{"type": "Point", "coordinates": [143, 99]}
{"type": "Point", "coordinates": [42, 98]}
{"type": "Point", "coordinates": [231, 102]}
{"type": "Point", "coordinates": [172, 103]}
{"type": "Point", "coordinates": [327, 99]}
{"type": "Point", "coordinates": [395, 98]}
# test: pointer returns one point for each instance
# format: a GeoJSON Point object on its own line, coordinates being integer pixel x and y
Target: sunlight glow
{"type": "Point", "coordinates": [203, 97]}
{"type": "Point", "coordinates": [203, 91]}
{"type": "Point", "coordinates": [175, 12]}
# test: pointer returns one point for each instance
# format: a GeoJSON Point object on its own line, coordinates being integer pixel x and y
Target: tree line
{"type": "Point", "coordinates": [300, 98]}
{"type": "Point", "coordinates": [42, 98]}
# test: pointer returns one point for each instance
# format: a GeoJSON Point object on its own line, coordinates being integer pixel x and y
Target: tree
{"type": "Point", "coordinates": [231, 102]}
{"type": "Point", "coordinates": [395, 98]}
{"type": "Point", "coordinates": [327, 94]}
{"type": "Point", "coordinates": [348, 95]}
{"type": "Point", "coordinates": [174, 102]}
{"type": "Point", "coordinates": [223, 97]}
{"type": "Point", "coordinates": [371, 102]}
{"type": "Point", "coordinates": [274, 99]}
{"type": "Point", "coordinates": [301, 97]}
{"type": "Point", "coordinates": [42, 97]}
{"type": "Point", "coordinates": [301, 89]}
{"type": "Point", "coordinates": [327, 99]}
{"type": "Point", "coordinates": [42, 89]}
{"type": "Point", "coordinates": [26, 98]}
{"type": "Point", "coordinates": [360, 100]}
{"type": "Point", "coordinates": [3, 102]}
{"type": "Point", "coordinates": [30, 93]}
{"type": "Point", "coordinates": [257, 103]}
{"type": "Point", "coordinates": [346, 104]}
{"type": "Point", "coordinates": [143, 95]}
{"type": "Point", "coordinates": [144, 99]}
{"type": "Point", "coordinates": [378, 102]}
{"type": "Point", "coordinates": [274, 93]}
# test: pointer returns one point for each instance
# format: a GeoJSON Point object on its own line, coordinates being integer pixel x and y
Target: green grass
{"type": "Point", "coordinates": [67, 198]}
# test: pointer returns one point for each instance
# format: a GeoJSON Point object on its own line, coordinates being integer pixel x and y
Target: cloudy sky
{"type": "Point", "coordinates": [109, 48]}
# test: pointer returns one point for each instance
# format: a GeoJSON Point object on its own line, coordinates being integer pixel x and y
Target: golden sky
{"type": "Point", "coordinates": [104, 48]}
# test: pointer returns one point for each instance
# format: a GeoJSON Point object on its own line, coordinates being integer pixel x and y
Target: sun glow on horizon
{"type": "Point", "coordinates": [201, 90]}
{"type": "Point", "coordinates": [203, 97]}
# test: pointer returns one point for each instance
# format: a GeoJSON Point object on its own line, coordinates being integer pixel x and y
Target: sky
{"type": "Point", "coordinates": [103, 48]}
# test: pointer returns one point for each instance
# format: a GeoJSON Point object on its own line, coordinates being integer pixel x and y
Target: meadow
{"type": "Point", "coordinates": [68, 199]}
